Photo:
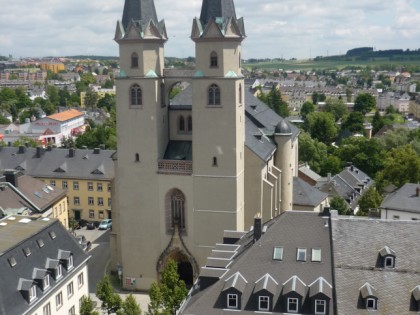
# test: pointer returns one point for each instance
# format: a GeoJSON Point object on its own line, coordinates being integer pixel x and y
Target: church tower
{"type": "Point", "coordinates": [142, 137]}
{"type": "Point", "coordinates": [218, 121]}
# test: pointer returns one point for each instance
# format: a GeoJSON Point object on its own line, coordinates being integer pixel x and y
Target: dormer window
{"type": "Point", "coordinates": [371, 304]}
{"type": "Point", "coordinates": [301, 254]}
{"type": "Point", "coordinates": [264, 303]}
{"type": "Point", "coordinates": [292, 305]}
{"type": "Point", "coordinates": [58, 271]}
{"type": "Point", "coordinates": [70, 262]}
{"type": "Point", "coordinates": [320, 307]}
{"type": "Point", "coordinates": [213, 60]}
{"type": "Point", "coordinates": [46, 282]}
{"type": "Point", "coordinates": [389, 262]}
{"type": "Point", "coordinates": [32, 293]}
{"type": "Point", "coordinates": [232, 301]}
{"type": "Point", "coordinates": [387, 257]}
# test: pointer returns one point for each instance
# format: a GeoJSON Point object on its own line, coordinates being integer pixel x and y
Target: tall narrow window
{"type": "Point", "coordinates": [177, 209]}
{"type": "Point", "coordinates": [213, 60]}
{"type": "Point", "coordinates": [136, 95]}
{"type": "Point", "coordinates": [292, 305]}
{"type": "Point", "coordinates": [134, 60]}
{"type": "Point", "coordinates": [264, 303]}
{"type": "Point", "coordinates": [240, 93]}
{"type": "Point", "coordinates": [181, 124]}
{"type": "Point", "coordinates": [214, 95]}
{"type": "Point", "coordinates": [189, 124]}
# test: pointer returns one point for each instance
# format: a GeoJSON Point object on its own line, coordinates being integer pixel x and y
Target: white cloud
{"type": "Point", "coordinates": [292, 28]}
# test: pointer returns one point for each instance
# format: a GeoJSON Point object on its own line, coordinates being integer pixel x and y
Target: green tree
{"type": "Point", "coordinates": [107, 102]}
{"type": "Point", "coordinates": [318, 97]}
{"type": "Point", "coordinates": [306, 109]}
{"type": "Point", "coordinates": [88, 78]}
{"type": "Point", "coordinates": [68, 142]}
{"type": "Point", "coordinates": [354, 123]}
{"type": "Point", "coordinates": [111, 301]}
{"type": "Point", "coordinates": [339, 204]}
{"type": "Point", "coordinates": [371, 199]}
{"type": "Point", "coordinates": [167, 296]}
{"type": "Point", "coordinates": [109, 84]}
{"type": "Point", "coordinates": [377, 122]}
{"type": "Point", "coordinates": [322, 126]}
{"type": "Point", "coordinates": [312, 152]}
{"type": "Point", "coordinates": [87, 306]}
{"type": "Point", "coordinates": [274, 101]}
{"type": "Point", "coordinates": [401, 166]}
{"type": "Point", "coordinates": [52, 95]}
{"type": "Point", "coordinates": [336, 107]}
{"type": "Point", "coordinates": [349, 93]}
{"type": "Point", "coordinates": [130, 306]}
{"type": "Point", "coordinates": [91, 98]}
{"type": "Point", "coordinates": [4, 121]}
{"type": "Point", "coordinates": [364, 103]}
{"type": "Point", "coordinates": [332, 165]}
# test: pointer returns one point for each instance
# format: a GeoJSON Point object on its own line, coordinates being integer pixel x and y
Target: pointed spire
{"type": "Point", "coordinates": [139, 10]}
{"type": "Point", "coordinates": [217, 9]}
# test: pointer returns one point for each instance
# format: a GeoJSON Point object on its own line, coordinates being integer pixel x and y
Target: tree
{"type": "Point", "coordinates": [91, 98]}
{"type": "Point", "coordinates": [336, 107]}
{"type": "Point", "coordinates": [52, 95]}
{"type": "Point", "coordinates": [377, 122]}
{"type": "Point", "coordinates": [88, 78]}
{"type": "Point", "coordinates": [130, 306]}
{"type": "Point", "coordinates": [274, 101]}
{"type": "Point", "coordinates": [318, 97]}
{"type": "Point", "coordinates": [312, 152]}
{"type": "Point", "coordinates": [354, 123]}
{"type": "Point", "coordinates": [371, 199]}
{"type": "Point", "coordinates": [322, 126]}
{"type": "Point", "coordinates": [349, 93]}
{"type": "Point", "coordinates": [401, 166]}
{"type": "Point", "coordinates": [167, 296]}
{"type": "Point", "coordinates": [111, 301]}
{"type": "Point", "coordinates": [339, 204]}
{"type": "Point", "coordinates": [67, 142]}
{"type": "Point", "coordinates": [306, 109]}
{"type": "Point", "coordinates": [364, 103]}
{"type": "Point", "coordinates": [87, 307]}
{"type": "Point", "coordinates": [107, 102]}
{"type": "Point", "coordinates": [332, 165]}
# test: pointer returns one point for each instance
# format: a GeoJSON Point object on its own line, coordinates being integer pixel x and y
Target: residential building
{"type": "Point", "coordinates": [403, 204]}
{"type": "Point", "coordinates": [24, 195]}
{"type": "Point", "coordinates": [350, 184]}
{"type": "Point", "coordinates": [307, 197]}
{"type": "Point", "coordinates": [85, 174]}
{"type": "Point", "coordinates": [213, 156]}
{"type": "Point", "coordinates": [43, 268]}
{"type": "Point", "coordinates": [281, 267]}
{"type": "Point", "coordinates": [101, 92]}
{"type": "Point", "coordinates": [50, 129]}
{"type": "Point", "coordinates": [54, 66]}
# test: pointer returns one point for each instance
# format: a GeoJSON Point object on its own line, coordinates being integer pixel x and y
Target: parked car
{"type": "Point", "coordinates": [105, 224]}
{"type": "Point", "coordinates": [81, 223]}
{"type": "Point", "coordinates": [91, 225]}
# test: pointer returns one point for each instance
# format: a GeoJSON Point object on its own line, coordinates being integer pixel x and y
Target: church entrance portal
{"type": "Point", "coordinates": [185, 269]}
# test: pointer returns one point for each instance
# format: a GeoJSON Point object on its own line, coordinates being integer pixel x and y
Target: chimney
{"type": "Point", "coordinates": [326, 212]}
{"type": "Point", "coordinates": [418, 191]}
{"type": "Point", "coordinates": [257, 227]}
{"type": "Point", "coordinates": [352, 168]}
{"type": "Point", "coordinates": [329, 177]}
{"type": "Point", "coordinates": [102, 147]}
{"type": "Point", "coordinates": [71, 152]}
{"type": "Point", "coordinates": [96, 151]}
{"type": "Point", "coordinates": [12, 177]}
{"type": "Point", "coordinates": [21, 149]}
{"type": "Point", "coordinates": [38, 152]}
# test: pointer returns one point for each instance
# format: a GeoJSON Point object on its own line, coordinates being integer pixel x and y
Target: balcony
{"type": "Point", "coordinates": [175, 167]}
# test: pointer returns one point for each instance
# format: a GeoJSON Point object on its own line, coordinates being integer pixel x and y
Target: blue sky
{"type": "Point", "coordinates": [275, 28]}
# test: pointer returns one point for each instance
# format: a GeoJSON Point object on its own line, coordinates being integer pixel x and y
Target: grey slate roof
{"type": "Point", "coordinates": [217, 8]}
{"type": "Point", "coordinates": [40, 194]}
{"type": "Point", "coordinates": [357, 243]}
{"type": "Point", "coordinates": [404, 199]}
{"type": "Point", "coordinates": [14, 237]}
{"type": "Point", "coordinates": [306, 195]}
{"type": "Point", "coordinates": [254, 261]}
{"type": "Point", "coordinates": [86, 164]}
{"type": "Point", "coordinates": [139, 10]}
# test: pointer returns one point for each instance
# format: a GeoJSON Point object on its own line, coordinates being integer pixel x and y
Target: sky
{"type": "Point", "coordinates": [274, 28]}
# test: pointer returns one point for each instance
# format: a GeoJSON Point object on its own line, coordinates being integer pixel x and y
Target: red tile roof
{"type": "Point", "coordinates": [67, 115]}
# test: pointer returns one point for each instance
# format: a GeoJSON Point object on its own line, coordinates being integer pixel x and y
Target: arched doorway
{"type": "Point", "coordinates": [185, 269]}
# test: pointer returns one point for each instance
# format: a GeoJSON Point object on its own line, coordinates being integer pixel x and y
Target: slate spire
{"type": "Point", "coordinates": [139, 10]}
{"type": "Point", "coordinates": [217, 9]}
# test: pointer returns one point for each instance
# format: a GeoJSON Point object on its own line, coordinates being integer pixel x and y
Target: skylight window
{"type": "Point", "coordinates": [27, 251]}
{"type": "Point", "coordinates": [301, 254]}
{"type": "Point", "coordinates": [40, 243]}
{"type": "Point", "coordinates": [316, 254]}
{"type": "Point", "coordinates": [52, 235]}
{"type": "Point", "coordinates": [12, 261]}
{"type": "Point", "coordinates": [278, 253]}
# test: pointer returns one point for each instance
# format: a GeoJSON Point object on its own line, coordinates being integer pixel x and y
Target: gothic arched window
{"type": "Point", "coordinates": [134, 60]}
{"type": "Point", "coordinates": [178, 209]}
{"type": "Point", "coordinates": [189, 124]}
{"type": "Point", "coordinates": [213, 60]}
{"type": "Point", "coordinates": [181, 124]}
{"type": "Point", "coordinates": [214, 95]}
{"type": "Point", "coordinates": [136, 95]}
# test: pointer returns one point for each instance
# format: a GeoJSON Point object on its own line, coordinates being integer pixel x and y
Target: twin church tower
{"type": "Point", "coordinates": [190, 167]}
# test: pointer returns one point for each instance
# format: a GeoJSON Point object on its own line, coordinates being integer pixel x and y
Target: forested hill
{"type": "Point", "coordinates": [369, 53]}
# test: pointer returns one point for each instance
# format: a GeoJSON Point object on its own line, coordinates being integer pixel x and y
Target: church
{"type": "Point", "coordinates": [206, 161]}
